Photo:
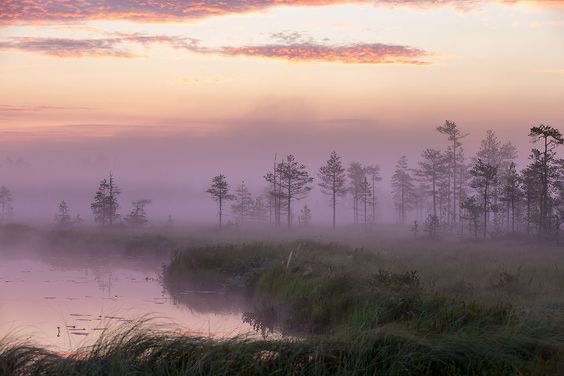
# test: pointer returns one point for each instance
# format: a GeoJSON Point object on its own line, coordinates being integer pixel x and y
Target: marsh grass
{"type": "Point", "coordinates": [386, 307]}
{"type": "Point", "coordinates": [142, 349]}
{"type": "Point", "coordinates": [489, 310]}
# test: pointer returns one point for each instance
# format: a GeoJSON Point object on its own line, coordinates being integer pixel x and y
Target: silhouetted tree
{"type": "Point", "coordinates": [494, 153]}
{"type": "Point", "coordinates": [500, 155]}
{"type": "Point", "coordinates": [365, 196]}
{"type": "Point", "coordinates": [293, 180]}
{"type": "Point", "coordinates": [6, 200]}
{"type": "Point", "coordinates": [484, 177]}
{"type": "Point", "coordinates": [243, 205]}
{"type": "Point", "coordinates": [473, 209]}
{"type": "Point", "coordinates": [512, 193]}
{"type": "Point", "coordinates": [138, 217]}
{"type": "Point", "coordinates": [105, 205]}
{"type": "Point", "coordinates": [332, 181]}
{"type": "Point", "coordinates": [450, 129]}
{"type": "Point", "coordinates": [432, 226]}
{"type": "Point", "coordinates": [403, 189]}
{"type": "Point", "coordinates": [545, 158]}
{"type": "Point", "coordinates": [219, 190]}
{"type": "Point", "coordinates": [530, 178]}
{"type": "Point", "coordinates": [259, 210]}
{"type": "Point", "coordinates": [78, 221]}
{"type": "Point", "coordinates": [275, 192]}
{"type": "Point", "coordinates": [431, 169]}
{"type": "Point", "coordinates": [305, 216]}
{"type": "Point", "coordinates": [374, 173]}
{"type": "Point", "coordinates": [356, 174]}
{"type": "Point", "coordinates": [63, 218]}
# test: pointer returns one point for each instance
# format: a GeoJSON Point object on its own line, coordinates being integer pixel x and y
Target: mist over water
{"type": "Point", "coordinates": [66, 298]}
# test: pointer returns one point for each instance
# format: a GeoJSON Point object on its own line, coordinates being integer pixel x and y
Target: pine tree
{"type": "Point", "coordinates": [432, 226]}
{"type": "Point", "coordinates": [219, 190]}
{"type": "Point", "coordinates": [138, 216]}
{"type": "Point", "coordinates": [494, 153]}
{"type": "Point", "coordinates": [546, 159]}
{"type": "Point", "coordinates": [431, 170]}
{"type": "Point", "coordinates": [374, 173]}
{"type": "Point", "coordinates": [294, 182]}
{"type": "Point", "coordinates": [243, 205]}
{"type": "Point", "coordinates": [305, 216]}
{"type": "Point", "coordinates": [365, 195]}
{"type": "Point", "coordinates": [530, 178]}
{"type": "Point", "coordinates": [403, 189]}
{"type": "Point", "coordinates": [105, 206]}
{"type": "Point", "coordinates": [259, 209]}
{"type": "Point", "coordinates": [356, 174]}
{"type": "Point", "coordinates": [63, 218]}
{"type": "Point", "coordinates": [332, 181]}
{"type": "Point", "coordinates": [450, 129]}
{"type": "Point", "coordinates": [484, 178]}
{"type": "Point", "coordinates": [473, 209]}
{"type": "Point", "coordinates": [512, 192]}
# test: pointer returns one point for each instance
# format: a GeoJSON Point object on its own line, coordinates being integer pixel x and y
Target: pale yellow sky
{"type": "Point", "coordinates": [489, 63]}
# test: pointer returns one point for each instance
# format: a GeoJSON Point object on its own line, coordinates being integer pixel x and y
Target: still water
{"type": "Point", "coordinates": [67, 303]}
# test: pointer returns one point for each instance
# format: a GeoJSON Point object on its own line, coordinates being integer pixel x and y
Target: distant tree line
{"type": "Point", "coordinates": [482, 196]}
{"type": "Point", "coordinates": [485, 194]}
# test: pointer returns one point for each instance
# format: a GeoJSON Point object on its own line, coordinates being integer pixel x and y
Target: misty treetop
{"type": "Point", "coordinates": [487, 192]}
{"type": "Point", "coordinates": [105, 206]}
{"type": "Point", "coordinates": [63, 218]}
{"type": "Point", "coordinates": [220, 191]}
{"type": "Point", "coordinates": [450, 129]}
{"type": "Point", "coordinates": [484, 195]}
{"type": "Point", "coordinates": [484, 177]}
{"type": "Point", "coordinates": [332, 181]}
{"type": "Point", "coordinates": [403, 189]}
{"type": "Point", "coordinates": [137, 217]}
{"type": "Point", "coordinates": [290, 181]}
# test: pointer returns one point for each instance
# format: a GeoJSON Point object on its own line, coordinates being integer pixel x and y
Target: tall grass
{"type": "Point", "coordinates": [394, 308]}
{"type": "Point", "coordinates": [339, 292]}
{"type": "Point", "coordinates": [140, 349]}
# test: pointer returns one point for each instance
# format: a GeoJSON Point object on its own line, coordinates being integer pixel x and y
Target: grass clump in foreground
{"type": "Point", "coordinates": [326, 292]}
{"type": "Point", "coordinates": [141, 349]}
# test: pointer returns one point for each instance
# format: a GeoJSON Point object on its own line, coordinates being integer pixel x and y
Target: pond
{"type": "Point", "coordinates": [67, 302]}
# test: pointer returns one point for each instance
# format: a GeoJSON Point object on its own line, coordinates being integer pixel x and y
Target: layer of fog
{"type": "Point", "coordinates": [173, 165]}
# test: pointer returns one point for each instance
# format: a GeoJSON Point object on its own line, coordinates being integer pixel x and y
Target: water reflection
{"type": "Point", "coordinates": [67, 302]}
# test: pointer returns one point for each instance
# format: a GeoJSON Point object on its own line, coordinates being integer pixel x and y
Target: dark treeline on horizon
{"type": "Point", "coordinates": [446, 193]}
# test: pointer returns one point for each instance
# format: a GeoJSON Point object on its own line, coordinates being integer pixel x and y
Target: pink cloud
{"type": "Point", "coordinates": [365, 53]}
{"type": "Point", "coordinates": [25, 11]}
{"type": "Point", "coordinates": [358, 53]}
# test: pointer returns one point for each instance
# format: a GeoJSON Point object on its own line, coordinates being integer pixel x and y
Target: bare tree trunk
{"type": "Point", "coordinates": [454, 181]}
{"type": "Point", "coordinates": [402, 206]}
{"type": "Point", "coordinates": [512, 215]}
{"type": "Point", "coordinates": [485, 211]}
{"type": "Point", "coordinates": [276, 194]}
{"type": "Point", "coordinates": [365, 205]}
{"type": "Point", "coordinates": [288, 204]}
{"type": "Point", "coordinates": [373, 200]}
{"type": "Point", "coordinates": [449, 211]}
{"type": "Point", "coordinates": [220, 211]}
{"type": "Point", "coordinates": [544, 198]}
{"type": "Point", "coordinates": [434, 197]}
{"type": "Point", "coordinates": [334, 202]}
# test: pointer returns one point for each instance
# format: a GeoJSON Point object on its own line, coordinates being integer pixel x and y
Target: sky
{"type": "Point", "coordinates": [169, 93]}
